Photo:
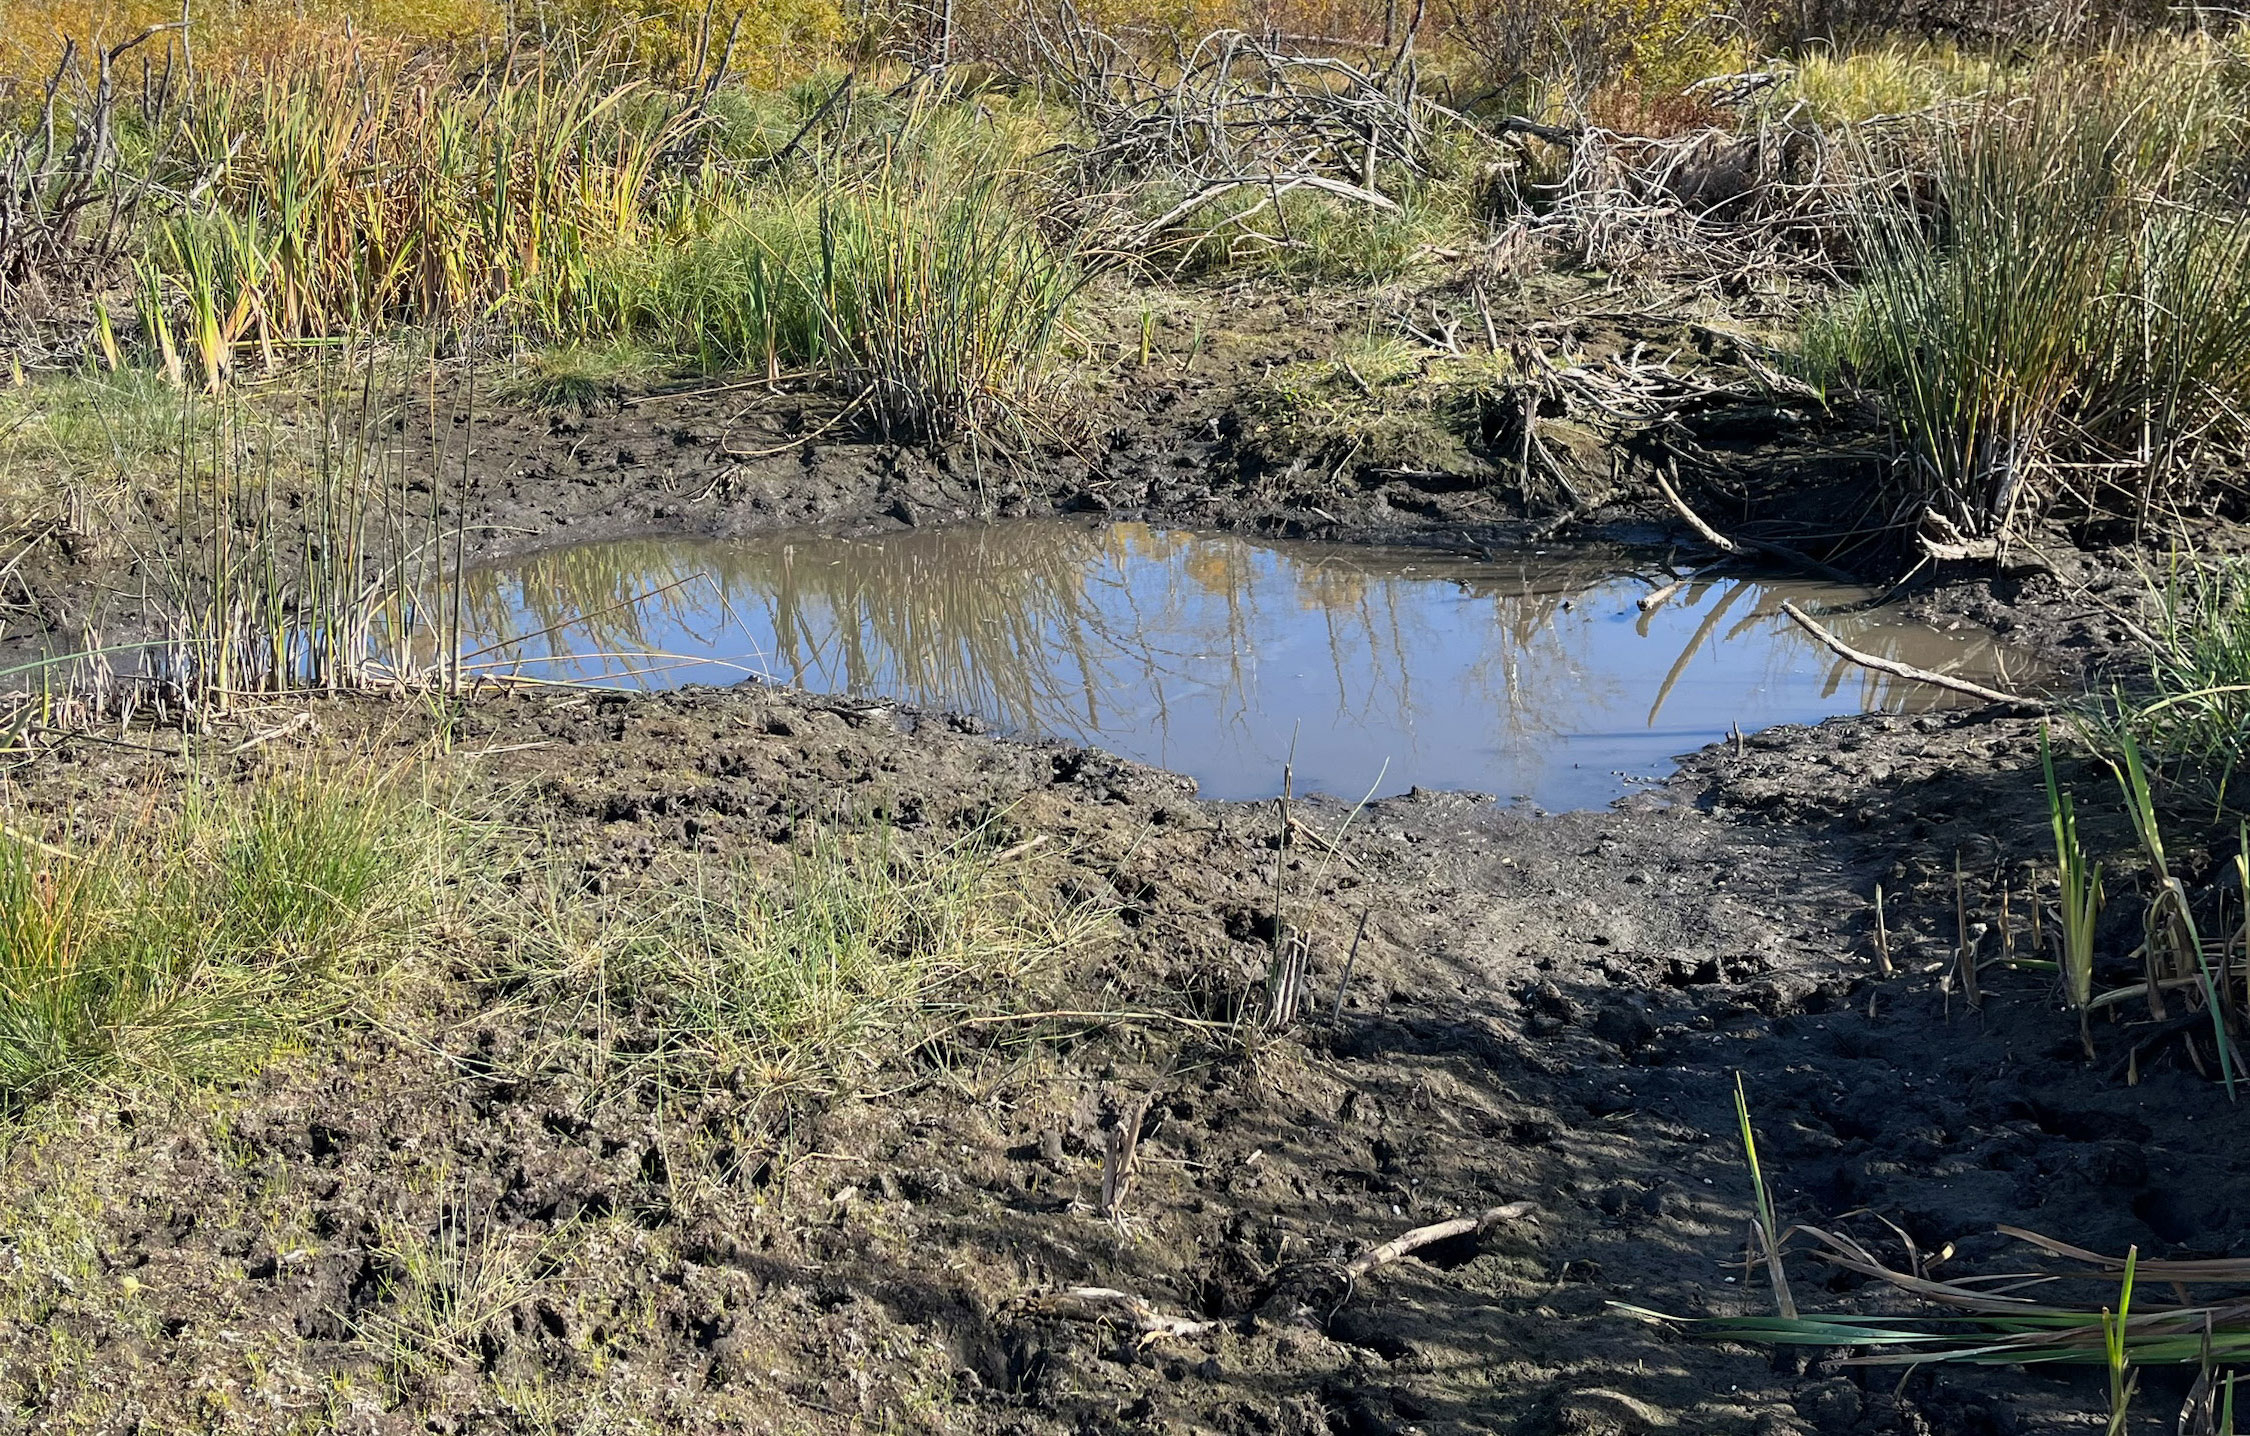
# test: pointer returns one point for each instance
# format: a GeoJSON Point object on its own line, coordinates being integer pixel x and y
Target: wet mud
{"type": "Point", "coordinates": [1543, 1010]}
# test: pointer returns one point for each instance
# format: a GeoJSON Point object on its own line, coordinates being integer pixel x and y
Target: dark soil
{"type": "Point", "coordinates": [1551, 1009]}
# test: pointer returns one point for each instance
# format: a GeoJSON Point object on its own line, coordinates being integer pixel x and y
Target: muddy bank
{"type": "Point", "coordinates": [1234, 410]}
{"type": "Point", "coordinates": [1197, 430]}
{"type": "Point", "coordinates": [1548, 1010]}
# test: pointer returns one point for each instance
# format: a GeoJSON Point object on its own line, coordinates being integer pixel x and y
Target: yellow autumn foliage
{"type": "Point", "coordinates": [232, 33]}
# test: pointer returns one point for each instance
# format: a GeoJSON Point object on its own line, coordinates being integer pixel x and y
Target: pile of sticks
{"type": "Point", "coordinates": [63, 214]}
{"type": "Point", "coordinates": [1733, 201]}
{"type": "Point", "coordinates": [1235, 112]}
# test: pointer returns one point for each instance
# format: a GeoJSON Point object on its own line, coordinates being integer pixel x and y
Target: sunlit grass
{"type": "Point", "coordinates": [582, 378]}
{"type": "Point", "coordinates": [1897, 77]}
{"type": "Point", "coordinates": [2067, 321]}
{"type": "Point", "coordinates": [191, 945]}
{"type": "Point", "coordinates": [853, 952]}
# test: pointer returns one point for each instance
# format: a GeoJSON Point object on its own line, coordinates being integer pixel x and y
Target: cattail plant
{"type": "Point", "coordinates": [2080, 880]}
{"type": "Point", "coordinates": [2053, 306]}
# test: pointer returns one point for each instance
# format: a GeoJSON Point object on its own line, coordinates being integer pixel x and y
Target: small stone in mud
{"type": "Point", "coordinates": [1550, 1010]}
{"type": "Point", "coordinates": [1534, 1131]}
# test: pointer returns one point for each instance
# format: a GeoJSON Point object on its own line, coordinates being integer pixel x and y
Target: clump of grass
{"type": "Point", "coordinates": [192, 946]}
{"type": "Point", "coordinates": [2063, 317]}
{"type": "Point", "coordinates": [1849, 85]}
{"type": "Point", "coordinates": [936, 305]}
{"type": "Point", "coordinates": [298, 556]}
{"type": "Point", "coordinates": [2196, 705]}
{"type": "Point", "coordinates": [1386, 404]}
{"type": "Point", "coordinates": [942, 311]}
{"type": "Point", "coordinates": [852, 953]}
{"type": "Point", "coordinates": [445, 1290]}
{"type": "Point", "coordinates": [583, 378]}
{"type": "Point", "coordinates": [86, 431]}
{"type": "Point", "coordinates": [1306, 235]}
{"type": "Point", "coordinates": [352, 190]}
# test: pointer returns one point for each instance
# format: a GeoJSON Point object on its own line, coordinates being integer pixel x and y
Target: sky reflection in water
{"type": "Point", "coordinates": [1212, 654]}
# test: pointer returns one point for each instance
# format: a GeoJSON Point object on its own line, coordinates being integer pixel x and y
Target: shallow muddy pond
{"type": "Point", "coordinates": [1220, 656]}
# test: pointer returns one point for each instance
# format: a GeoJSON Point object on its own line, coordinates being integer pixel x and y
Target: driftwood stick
{"type": "Point", "coordinates": [1351, 960]}
{"type": "Point", "coordinates": [1420, 1237]}
{"type": "Point", "coordinates": [303, 719]}
{"type": "Point", "coordinates": [1213, 189]}
{"type": "Point", "coordinates": [1842, 649]}
{"type": "Point", "coordinates": [1656, 598]}
{"type": "Point", "coordinates": [1101, 1303]}
{"type": "Point", "coordinates": [1745, 547]}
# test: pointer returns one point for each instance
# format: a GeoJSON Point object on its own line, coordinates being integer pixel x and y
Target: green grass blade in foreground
{"type": "Point", "coordinates": [2080, 882]}
{"type": "Point", "coordinates": [2114, 1328]}
{"type": "Point", "coordinates": [1993, 1323]}
{"type": "Point", "coordinates": [2174, 940]}
{"type": "Point", "coordinates": [1769, 1235]}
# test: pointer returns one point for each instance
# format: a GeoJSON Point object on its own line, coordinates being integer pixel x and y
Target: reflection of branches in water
{"type": "Point", "coordinates": [1976, 652]}
{"type": "Point", "coordinates": [1383, 618]}
{"type": "Point", "coordinates": [595, 599]}
{"type": "Point", "coordinates": [1549, 627]}
{"type": "Point", "coordinates": [1049, 627]}
{"type": "Point", "coordinates": [1694, 645]}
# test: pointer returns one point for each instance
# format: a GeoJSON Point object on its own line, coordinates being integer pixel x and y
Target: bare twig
{"type": "Point", "coordinates": [1896, 669]}
{"type": "Point", "coordinates": [1656, 598]}
{"type": "Point", "coordinates": [1745, 547]}
{"type": "Point", "coordinates": [1102, 1303]}
{"type": "Point", "coordinates": [1120, 1157]}
{"type": "Point", "coordinates": [1420, 1237]}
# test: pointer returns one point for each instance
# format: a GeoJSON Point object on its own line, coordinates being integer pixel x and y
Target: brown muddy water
{"type": "Point", "coordinates": [1527, 676]}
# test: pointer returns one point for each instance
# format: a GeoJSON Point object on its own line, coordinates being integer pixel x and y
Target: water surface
{"type": "Point", "coordinates": [1218, 656]}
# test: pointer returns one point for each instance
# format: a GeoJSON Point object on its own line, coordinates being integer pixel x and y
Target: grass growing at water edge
{"type": "Point", "coordinates": [2066, 320]}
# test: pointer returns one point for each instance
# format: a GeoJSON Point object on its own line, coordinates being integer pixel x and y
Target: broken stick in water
{"type": "Point", "coordinates": [1842, 649]}
{"type": "Point", "coordinates": [1745, 547]}
{"type": "Point", "coordinates": [1657, 598]}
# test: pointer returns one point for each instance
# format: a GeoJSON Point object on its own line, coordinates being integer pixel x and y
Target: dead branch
{"type": "Point", "coordinates": [63, 205]}
{"type": "Point", "coordinates": [1656, 598]}
{"type": "Point", "coordinates": [1842, 649]}
{"type": "Point", "coordinates": [1101, 1303]}
{"type": "Point", "coordinates": [1278, 183]}
{"type": "Point", "coordinates": [1233, 111]}
{"type": "Point", "coordinates": [1420, 1237]}
{"type": "Point", "coordinates": [1745, 547]}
